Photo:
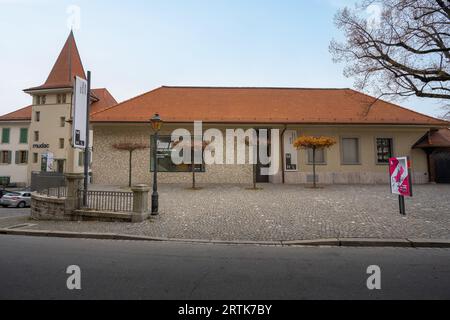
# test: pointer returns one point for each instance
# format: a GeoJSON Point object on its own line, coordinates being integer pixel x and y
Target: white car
{"type": "Point", "coordinates": [19, 199]}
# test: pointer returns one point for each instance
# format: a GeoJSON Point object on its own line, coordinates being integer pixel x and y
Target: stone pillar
{"type": "Point", "coordinates": [140, 202]}
{"type": "Point", "coordinates": [74, 182]}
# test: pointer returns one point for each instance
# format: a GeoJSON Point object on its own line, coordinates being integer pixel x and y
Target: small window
{"type": "Point", "coordinates": [5, 135]}
{"type": "Point", "coordinates": [62, 122]}
{"type": "Point", "coordinates": [38, 100]}
{"type": "Point", "coordinates": [58, 99]}
{"type": "Point", "coordinates": [5, 157]}
{"type": "Point", "coordinates": [81, 159]}
{"type": "Point", "coordinates": [23, 135]}
{"type": "Point", "coordinates": [384, 150]}
{"type": "Point", "coordinates": [61, 143]}
{"type": "Point", "coordinates": [320, 156]}
{"type": "Point", "coordinates": [37, 116]}
{"type": "Point", "coordinates": [36, 136]}
{"type": "Point", "coordinates": [43, 99]}
{"type": "Point", "coordinates": [35, 158]}
{"type": "Point", "coordinates": [63, 98]}
{"type": "Point", "coordinates": [21, 157]}
{"type": "Point", "coordinates": [350, 151]}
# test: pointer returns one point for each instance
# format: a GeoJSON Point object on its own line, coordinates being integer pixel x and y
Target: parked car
{"type": "Point", "coordinates": [19, 199]}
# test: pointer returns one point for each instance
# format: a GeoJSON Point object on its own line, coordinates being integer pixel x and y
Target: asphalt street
{"type": "Point", "coordinates": [35, 268]}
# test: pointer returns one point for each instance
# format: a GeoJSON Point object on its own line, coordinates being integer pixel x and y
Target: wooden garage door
{"type": "Point", "coordinates": [442, 163]}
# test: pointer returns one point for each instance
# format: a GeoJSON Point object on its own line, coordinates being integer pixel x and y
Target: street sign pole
{"type": "Point", "coordinates": [86, 149]}
{"type": "Point", "coordinates": [401, 200]}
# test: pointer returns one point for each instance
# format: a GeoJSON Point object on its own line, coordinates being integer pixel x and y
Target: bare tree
{"type": "Point", "coordinates": [130, 147]}
{"type": "Point", "coordinates": [403, 51]}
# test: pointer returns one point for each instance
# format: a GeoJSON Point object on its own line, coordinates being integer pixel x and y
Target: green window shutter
{"type": "Point", "coordinates": [26, 157]}
{"type": "Point", "coordinates": [5, 135]}
{"type": "Point", "coordinates": [9, 157]}
{"type": "Point", "coordinates": [17, 157]}
{"type": "Point", "coordinates": [24, 135]}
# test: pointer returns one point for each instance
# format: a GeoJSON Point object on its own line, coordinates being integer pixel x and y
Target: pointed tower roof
{"type": "Point", "coordinates": [67, 66]}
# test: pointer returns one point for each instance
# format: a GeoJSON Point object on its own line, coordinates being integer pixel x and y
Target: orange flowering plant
{"type": "Point", "coordinates": [314, 143]}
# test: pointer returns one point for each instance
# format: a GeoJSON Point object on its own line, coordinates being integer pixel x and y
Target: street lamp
{"type": "Point", "coordinates": [156, 125]}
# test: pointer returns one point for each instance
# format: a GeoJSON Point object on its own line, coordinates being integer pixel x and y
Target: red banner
{"type": "Point", "coordinates": [400, 174]}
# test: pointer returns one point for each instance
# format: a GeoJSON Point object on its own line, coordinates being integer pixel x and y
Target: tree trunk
{"type": "Point", "coordinates": [130, 168]}
{"type": "Point", "coordinates": [314, 167]}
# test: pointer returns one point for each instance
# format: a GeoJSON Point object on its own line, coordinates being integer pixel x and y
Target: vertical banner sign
{"type": "Point", "coordinates": [47, 160]}
{"type": "Point", "coordinates": [79, 113]}
{"type": "Point", "coordinates": [400, 173]}
{"type": "Point", "coordinates": [290, 153]}
{"type": "Point", "coordinates": [400, 179]}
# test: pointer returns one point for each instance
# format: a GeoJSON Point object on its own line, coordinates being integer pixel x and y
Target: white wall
{"type": "Point", "coordinates": [16, 172]}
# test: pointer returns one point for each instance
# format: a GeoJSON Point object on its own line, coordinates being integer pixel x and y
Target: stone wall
{"type": "Point", "coordinates": [48, 208]}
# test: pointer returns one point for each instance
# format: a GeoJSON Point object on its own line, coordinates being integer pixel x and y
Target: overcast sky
{"type": "Point", "coordinates": [134, 46]}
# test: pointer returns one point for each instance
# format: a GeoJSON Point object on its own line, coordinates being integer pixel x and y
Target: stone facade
{"type": "Point", "coordinates": [110, 166]}
{"type": "Point", "coordinates": [47, 208]}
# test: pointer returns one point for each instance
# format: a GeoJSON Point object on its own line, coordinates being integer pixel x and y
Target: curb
{"type": "Point", "coordinates": [333, 242]}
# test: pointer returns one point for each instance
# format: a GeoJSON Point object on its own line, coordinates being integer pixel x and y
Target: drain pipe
{"type": "Point", "coordinates": [283, 165]}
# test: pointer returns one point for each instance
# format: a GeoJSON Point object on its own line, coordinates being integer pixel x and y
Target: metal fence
{"type": "Point", "coordinates": [108, 201]}
{"type": "Point", "coordinates": [59, 192]}
{"type": "Point", "coordinates": [51, 184]}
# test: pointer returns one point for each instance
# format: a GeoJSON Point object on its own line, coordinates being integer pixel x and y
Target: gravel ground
{"type": "Point", "coordinates": [282, 213]}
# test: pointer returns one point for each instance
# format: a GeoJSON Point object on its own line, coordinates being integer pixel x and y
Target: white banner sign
{"type": "Point", "coordinates": [290, 153]}
{"type": "Point", "coordinates": [79, 113]}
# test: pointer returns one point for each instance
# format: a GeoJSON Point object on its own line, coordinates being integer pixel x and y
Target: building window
{"type": "Point", "coordinates": [21, 157]}
{"type": "Point", "coordinates": [62, 122]}
{"type": "Point", "coordinates": [320, 156]}
{"type": "Point", "coordinates": [61, 98]}
{"type": "Point", "coordinates": [36, 136]}
{"type": "Point", "coordinates": [384, 150]}
{"type": "Point", "coordinates": [5, 157]}
{"type": "Point", "coordinates": [23, 135]}
{"type": "Point", "coordinates": [43, 99]}
{"type": "Point", "coordinates": [37, 116]}
{"type": "Point", "coordinates": [37, 100]}
{"type": "Point", "coordinates": [35, 158]}
{"type": "Point", "coordinates": [81, 159]}
{"type": "Point", "coordinates": [350, 151]}
{"type": "Point", "coordinates": [164, 157]}
{"type": "Point", "coordinates": [61, 143]}
{"type": "Point", "coordinates": [5, 135]}
{"type": "Point", "coordinates": [5, 181]}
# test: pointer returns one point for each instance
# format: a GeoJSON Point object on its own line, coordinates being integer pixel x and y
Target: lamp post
{"type": "Point", "coordinates": [156, 125]}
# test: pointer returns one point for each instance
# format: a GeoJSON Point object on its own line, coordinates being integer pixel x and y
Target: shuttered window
{"type": "Point", "coordinates": [350, 151]}
{"type": "Point", "coordinates": [5, 135]}
{"type": "Point", "coordinates": [5, 157]}
{"type": "Point", "coordinates": [320, 156]}
{"type": "Point", "coordinates": [23, 135]}
{"type": "Point", "coordinates": [21, 157]}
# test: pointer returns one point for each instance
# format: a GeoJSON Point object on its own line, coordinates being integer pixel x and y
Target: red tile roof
{"type": "Point", "coordinates": [23, 114]}
{"type": "Point", "coordinates": [67, 66]}
{"type": "Point", "coordinates": [435, 139]}
{"type": "Point", "coordinates": [262, 105]}
{"type": "Point", "coordinates": [103, 100]}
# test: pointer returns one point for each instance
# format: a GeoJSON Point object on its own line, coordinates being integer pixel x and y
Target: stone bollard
{"type": "Point", "coordinates": [140, 202]}
{"type": "Point", "coordinates": [74, 181]}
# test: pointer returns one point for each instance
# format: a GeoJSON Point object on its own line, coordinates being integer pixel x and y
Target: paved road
{"type": "Point", "coordinates": [35, 268]}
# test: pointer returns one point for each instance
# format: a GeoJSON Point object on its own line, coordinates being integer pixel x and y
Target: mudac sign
{"type": "Point", "coordinates": [401, 179]}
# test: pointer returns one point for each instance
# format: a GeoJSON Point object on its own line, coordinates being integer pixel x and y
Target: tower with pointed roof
{"type": "Point", "coordinates": [50, 128]}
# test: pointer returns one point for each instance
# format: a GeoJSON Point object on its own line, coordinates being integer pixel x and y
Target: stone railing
{"type": "Point", "coordinates": [70, 208]}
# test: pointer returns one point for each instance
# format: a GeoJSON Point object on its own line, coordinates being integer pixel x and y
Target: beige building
{"type": "Point", "coordinates": [14, 155]}
{"type": "Point", "coordinates": [48, 121]}
{"type": "Point", "coordinates": [368, 132]}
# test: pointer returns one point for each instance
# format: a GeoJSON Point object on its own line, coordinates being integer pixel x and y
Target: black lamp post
{"type": "Point", "coordinates": [156, 125]}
